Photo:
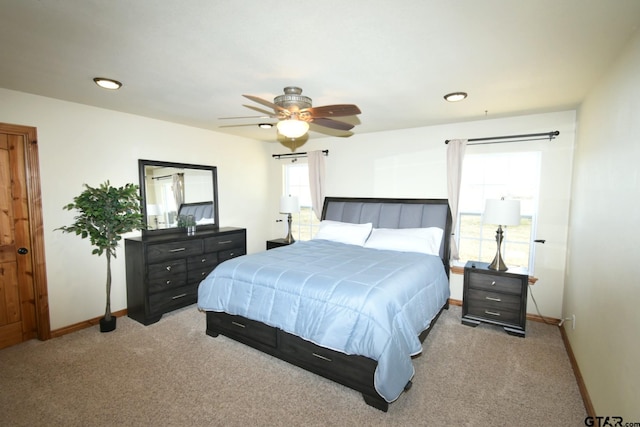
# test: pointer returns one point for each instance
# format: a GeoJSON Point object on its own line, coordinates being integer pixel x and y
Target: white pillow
{"type": "Point", "coordinates": [344, 232]}
{"type": "Point", "coordinates": [423, 240]}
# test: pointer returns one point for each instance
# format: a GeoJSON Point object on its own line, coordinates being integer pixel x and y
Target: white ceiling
{"type": "Point", "coordinates": [189, 61]}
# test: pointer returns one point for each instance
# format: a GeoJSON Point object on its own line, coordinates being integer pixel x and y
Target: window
{"type": "Point", "coordinates": [304, 225]}
{"type": "Point", "coordinates": [493, 176]}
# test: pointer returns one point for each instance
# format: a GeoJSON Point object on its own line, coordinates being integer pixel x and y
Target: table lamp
{"type": "Point", "coordinates": [501, 212]}
{"type": "Point", "coordinates": [288, 205]}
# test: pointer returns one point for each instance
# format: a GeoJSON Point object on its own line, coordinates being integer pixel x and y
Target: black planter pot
{"type": "Point", "coordinates": [107, 325]}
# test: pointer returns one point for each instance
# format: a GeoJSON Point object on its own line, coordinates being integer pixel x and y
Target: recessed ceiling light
{"type": "Point", "coordinates": [107, 83]}
{"type": "Point", "coordinates": [455, 96]}
{"type": "Point", "coordinates": [265, 125]}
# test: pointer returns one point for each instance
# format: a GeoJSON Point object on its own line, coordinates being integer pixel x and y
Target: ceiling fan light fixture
{"type": "Point", "coordinates": [265, 125]}
{"type": "Point", "coordinates": [292, 128]}
{"type": "Point", "coordinates": [455, 96]}
{"type": "Point", "coordinates": [105, 83]}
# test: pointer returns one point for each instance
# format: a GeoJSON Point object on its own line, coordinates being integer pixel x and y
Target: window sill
{"type": "Point", "coordinates": [459, 269]}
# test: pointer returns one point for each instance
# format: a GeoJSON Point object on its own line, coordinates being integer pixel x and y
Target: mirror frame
{"type": "Point", "coordinates": [142, 164]}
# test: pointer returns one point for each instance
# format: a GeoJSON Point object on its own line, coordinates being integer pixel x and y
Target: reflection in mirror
{"type": "Point", "coordinates": [172, 192]}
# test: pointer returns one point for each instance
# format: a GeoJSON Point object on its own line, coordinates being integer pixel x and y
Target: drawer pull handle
{"type": "Point", "coordinates": [203, 260]}
{"type": "Point", "coordinates": [493, 313]}
{"type": "Point", "coordinates": [203, 274]}
{"type": "Point", "coordinates": [493, 299]}
{"type": "Point", "coordinates": [168, 282]}
{"type": "Point", "coordinates": [319, 356]}
{"type": "Point", "coordinates": [168, 268]}
{"type": "Point", "coordinates": [178, 250]}
{"type": "Point", "coordinates": [240, 325]}
{"type": "Point", "coordinates": [179, 296]}
{"type": "Point", "coordinates": [225, 242]}
{"type": "Point", "coordinates": [493, 283]}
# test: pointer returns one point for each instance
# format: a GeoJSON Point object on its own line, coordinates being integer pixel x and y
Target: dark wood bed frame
{"type": "Point", "coordinates": [353, 371]}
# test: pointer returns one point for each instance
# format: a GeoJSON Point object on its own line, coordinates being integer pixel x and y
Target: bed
{"type": "Point", "coordinates": [353, 304]}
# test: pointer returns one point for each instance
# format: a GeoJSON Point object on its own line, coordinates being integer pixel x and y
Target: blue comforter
{"type": "Point", "coordinates": [355, 300]}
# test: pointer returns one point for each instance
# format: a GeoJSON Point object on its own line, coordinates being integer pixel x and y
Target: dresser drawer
{"type": "Point", "coordinates": [171, 268]}
{"type": "Point", "coordinates": [166, 301]}
{"type": "Point", "coordinates": [495, 283]}
{"type": "Point", "coordinates": [198, 275]}
{"type": "Point", "coordinates": [225, 242]}
{"type": "Point", "coordinates": [167, 283]}
{"type": "Point", "coordinates": [231, 253]}
{"type": "Point", "coordinates": [243, 329]}
{"type": "Point", "coordinates": [202, 261]}
{"type": "Point", "coordinates": [161, 251]}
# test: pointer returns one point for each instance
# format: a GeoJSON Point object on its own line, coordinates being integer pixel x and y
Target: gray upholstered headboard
{"type": "Point", "coordinates": [199, 210]}
{"type": "Point", "coordinates": [393, 213]}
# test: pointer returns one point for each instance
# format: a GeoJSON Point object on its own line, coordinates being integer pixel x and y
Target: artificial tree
{"type": "Point", "coordinates": [105, 213]}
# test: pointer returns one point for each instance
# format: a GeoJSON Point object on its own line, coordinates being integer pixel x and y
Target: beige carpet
{"type": "Point", "coordinates": [172, 374]}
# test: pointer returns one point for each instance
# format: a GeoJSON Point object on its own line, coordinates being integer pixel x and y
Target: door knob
{"type": "Point", "coordinates": [23, 251]}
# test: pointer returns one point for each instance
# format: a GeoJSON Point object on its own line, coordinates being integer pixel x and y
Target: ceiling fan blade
{"type": "Point", "coordinates": [338, 110]}
{"type": "Point", "coordinates": [266, 103]}
{"type": "Point", "coordinates": [243, 125]}
{"type": "Point", "coordinates": [245, 117]}
{"type": "Point", "coordinates": [260, 110]}
{"type": "Point", "coordinates": [333, 124]}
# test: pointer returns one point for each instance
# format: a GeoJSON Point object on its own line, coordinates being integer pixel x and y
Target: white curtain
{"type": "Point", "coordinates": [178, 188]}
{"type": "Point", "coordinates": [455, 156]}
{"type": "Point", "coordinates": [316, 181]}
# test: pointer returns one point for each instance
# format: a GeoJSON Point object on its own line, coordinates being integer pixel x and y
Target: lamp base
{"type": "Point", "coordinates": [498, 264]}
{"type": "Point", "coordinates": [289, 239]}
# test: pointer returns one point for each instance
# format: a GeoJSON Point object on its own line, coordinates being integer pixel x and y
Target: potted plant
{"type": "Point", "coordinates": [105, 213]}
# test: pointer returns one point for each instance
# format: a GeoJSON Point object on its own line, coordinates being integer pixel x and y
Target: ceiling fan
{"type": "Point", "coordinates": [294, 113]}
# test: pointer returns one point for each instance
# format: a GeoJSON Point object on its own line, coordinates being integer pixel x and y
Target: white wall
{"type": "Point", "coordinates": [80, 144]}
{"type": "Point", "coordinates": [603, 271]}
{"type": "Point", "coordinates": [412, 163]}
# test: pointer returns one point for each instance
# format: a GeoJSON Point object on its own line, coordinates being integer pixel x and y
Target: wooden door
{"type": "Point", "coordinates": [24, 310]}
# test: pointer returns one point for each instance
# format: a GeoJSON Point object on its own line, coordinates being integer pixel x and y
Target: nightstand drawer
{"type": "Point", "coordinates": [493, 313]}
{"type": "Point", "coordinates": [495, 283]}
{"type": "Point", "coordinates": [493, 300]}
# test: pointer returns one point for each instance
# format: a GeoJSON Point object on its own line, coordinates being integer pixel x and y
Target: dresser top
{"type": "Point", "coordinates": [182, 235]}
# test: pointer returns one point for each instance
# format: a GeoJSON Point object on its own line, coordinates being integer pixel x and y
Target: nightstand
{"type": "Point", "coordinates": [276, 243]}
{"type": "Point", "coordinates": [496, 297]}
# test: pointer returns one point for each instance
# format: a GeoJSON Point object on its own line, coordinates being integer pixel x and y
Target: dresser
{"type": "Point", "coordinates": [164, 270]}
{"type": "Point", "coordinates": [496, 297]}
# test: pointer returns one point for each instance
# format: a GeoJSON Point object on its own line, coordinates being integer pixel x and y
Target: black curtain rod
{"type": "Point", "coordinates": [514, 138]}
{"type": "Point", "coordinates": [303, 154]}
{"type": "Point", "coordinates": [166, 176]}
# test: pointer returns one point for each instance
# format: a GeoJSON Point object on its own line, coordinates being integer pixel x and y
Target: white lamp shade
{"type": "Point", "coordinates": [289, 204]}
{"type": "Point", "coordinates": [502, 212]}
{"type": "Point", "coordinates": [292, 128]}
{"type": "Point", "coordinates": [153, 210]}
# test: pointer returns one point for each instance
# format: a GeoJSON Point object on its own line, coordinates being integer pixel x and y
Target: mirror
{"type": "Point", "coordinates": [171, 192]}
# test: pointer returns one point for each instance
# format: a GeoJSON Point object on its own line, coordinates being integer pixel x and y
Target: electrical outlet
{"type": "Point", "coordinates": [573, 321]}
